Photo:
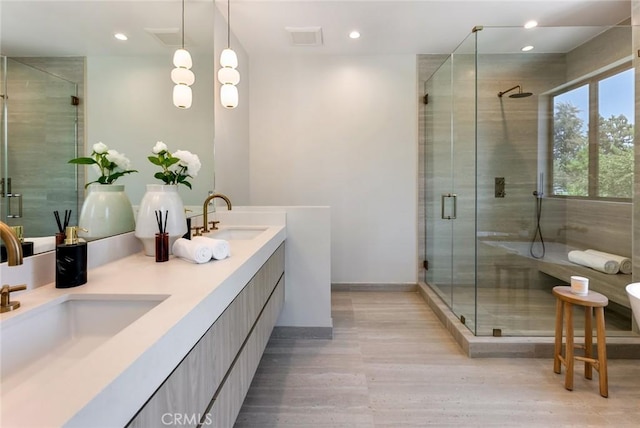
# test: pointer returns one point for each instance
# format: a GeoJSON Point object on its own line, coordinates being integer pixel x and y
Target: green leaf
{"type": "Point", "coordinates": [154, 160]}
{"type": "Point", "coordinates": [113, 177]}
{"type": "Point", "coordinates": [161, 176]}
{"type": "Point", "coordinates": [171, 161]}
{"type": "Point", "coordinates": [83, 161]}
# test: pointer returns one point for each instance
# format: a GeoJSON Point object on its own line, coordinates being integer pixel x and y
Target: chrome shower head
{"type": "Point", "coordinates": [518, 94]}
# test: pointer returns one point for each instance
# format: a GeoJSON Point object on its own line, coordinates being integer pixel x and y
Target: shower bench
{"type": "Point", "coordinates": [557, 265]}
{"type": "Point", "coordinates": [612, 286]}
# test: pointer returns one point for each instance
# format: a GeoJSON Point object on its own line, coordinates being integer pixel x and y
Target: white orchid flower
{"type": "Point", "coordinates": [159, 147]}
{"type": "Point", "coordinates": [108, 164]}
{"type": "Point", "coordinates": [119, 159]}
{"type": "Point", "coordinates": [188, 160]}
{"type": "Point", "coordinates": [100, 148]}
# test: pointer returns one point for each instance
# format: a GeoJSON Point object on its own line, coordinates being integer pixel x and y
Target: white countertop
{"type": "Point", "coordinates": [108, 386]}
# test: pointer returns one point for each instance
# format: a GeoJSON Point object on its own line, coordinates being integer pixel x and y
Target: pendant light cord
{"type": "Point", "coordinates": [228, 24]}
{"type": "Point", "coordinates": [182, 24]}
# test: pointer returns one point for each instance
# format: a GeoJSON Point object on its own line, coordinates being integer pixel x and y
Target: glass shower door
{"type": "Point", "coordinates": [464, 179]}
{"type": "Point", "coordinates": [39, 133]}
{"type": "Point", "coordinates": [450, 177]}
{"type": "Point", "coordinates": [438, 180]}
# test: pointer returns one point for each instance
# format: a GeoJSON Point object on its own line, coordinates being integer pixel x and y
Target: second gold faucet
{"type": "Point", "coordinates": [205, 210]}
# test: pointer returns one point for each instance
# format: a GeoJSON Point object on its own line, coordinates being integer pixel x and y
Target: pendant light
{"type": "Point", "coordinates": [228, 75]}
{"type": "Point", "coordinates": [182, 75]}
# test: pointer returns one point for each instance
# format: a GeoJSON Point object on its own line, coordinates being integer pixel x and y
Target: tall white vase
{"type": "Point", "coordinates": [106, 211]}
{"type": "Point", "coordinates": [163, 198]}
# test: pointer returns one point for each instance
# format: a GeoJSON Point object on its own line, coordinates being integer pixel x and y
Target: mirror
{"type": "Point", "coordinates": [58, 49]}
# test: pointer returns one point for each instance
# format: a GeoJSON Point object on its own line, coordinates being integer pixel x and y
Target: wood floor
{"type": "Point", "coordinates": [392, 364]}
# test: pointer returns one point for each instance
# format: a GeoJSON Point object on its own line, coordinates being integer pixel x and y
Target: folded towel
{"type": "Point", "coordinates": [192, 251]}
{"type": "Point", "coordinates": [625, 262]}
{"type": "Point", "coordinates": [220, 249]}
{"type": "Point", "coordinates": [594, 261]}
{"type": "Point", "coordinates": [40, 245]}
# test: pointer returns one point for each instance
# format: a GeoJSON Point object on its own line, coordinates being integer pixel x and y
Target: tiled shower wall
{"type": "Point", "coordinates": [601, 225]}
{"type": "Point", "coordinates": [41, 140]}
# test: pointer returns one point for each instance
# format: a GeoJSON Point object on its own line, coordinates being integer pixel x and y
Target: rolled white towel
{"type": "Point", "coordinates": [625, 262]}
{"type": "Point", "coordinates": [40, 245]}
{"type": "Point", "coordinates": [594, 261]}
{"type": "Point", "coordinates": [220, 249]}
{"type": "Point", "coordinates": [195, 252]}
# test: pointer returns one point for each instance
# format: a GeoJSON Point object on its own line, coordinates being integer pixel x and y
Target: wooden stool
{"type": "Point", "coordinates": [565, 301]}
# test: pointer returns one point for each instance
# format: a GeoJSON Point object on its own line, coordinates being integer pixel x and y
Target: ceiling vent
{"type": "Point", "coordinates": [170, 37]}
{"type": "Point", "coordinates": [305, 36]}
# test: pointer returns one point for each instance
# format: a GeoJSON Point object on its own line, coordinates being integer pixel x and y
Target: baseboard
{"type": "Point", "coordinates": [365, 286]}
{"type": "Point", "coordinates": [302, 333]}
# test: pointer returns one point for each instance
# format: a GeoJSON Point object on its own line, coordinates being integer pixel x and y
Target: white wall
{"type": "Point", "coordinates": [129, 108]}
{"type": "Point", "coordinates": [307, 296]}
{"type": "Point", "coordinates": [232, 126]}
{"type": "Point", "coordinates": [341, 131]}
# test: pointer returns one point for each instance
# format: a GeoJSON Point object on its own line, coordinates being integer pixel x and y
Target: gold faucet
{"type": "Point", "coordinates": [12, 243]}
{"type": "Point", "coordinates": [14, 258]}
{"type": "Point", "coordinates": [6, 304]}
{"type": "Point", "coordinates": [206, 214]}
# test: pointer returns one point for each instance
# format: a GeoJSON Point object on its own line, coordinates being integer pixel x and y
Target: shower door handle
{"type": "Point", "coordinates": [454, 199]}
{"type": "Point", "coordinates": [10, 197]}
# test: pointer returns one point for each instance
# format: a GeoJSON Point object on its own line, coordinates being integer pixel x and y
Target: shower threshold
{"type": "Point", "coordinates": [618, 347]}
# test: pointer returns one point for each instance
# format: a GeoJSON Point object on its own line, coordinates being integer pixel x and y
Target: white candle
{"type": "Point", "coordinates": [580, 285]}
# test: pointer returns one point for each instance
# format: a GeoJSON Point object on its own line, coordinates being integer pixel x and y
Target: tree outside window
{"type": "Point", "coordinates": [594, 158]}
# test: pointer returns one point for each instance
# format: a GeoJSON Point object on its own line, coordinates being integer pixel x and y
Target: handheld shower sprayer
{"type": "Point", "coordinates": [538, 232]}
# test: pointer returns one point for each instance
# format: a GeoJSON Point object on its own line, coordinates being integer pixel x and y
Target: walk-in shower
{"type": "Point", "coordinates": [39, 134]}
{"type": "Point", "coordinates": [482, 156]}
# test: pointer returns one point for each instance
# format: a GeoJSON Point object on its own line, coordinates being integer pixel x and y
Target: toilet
{"type": "Point", "coordinates": [633, 291]}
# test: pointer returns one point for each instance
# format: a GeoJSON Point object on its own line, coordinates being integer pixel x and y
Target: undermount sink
{"type": "Point", "coordinates": [63, 331]}
{"type": "Point", "coordinates": [237, 233]}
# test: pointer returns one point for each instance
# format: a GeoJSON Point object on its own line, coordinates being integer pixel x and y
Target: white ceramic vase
{"type": "Point", "coordinates": [166, 199]}
{"type": "Point", "coordinates": [106, 211]}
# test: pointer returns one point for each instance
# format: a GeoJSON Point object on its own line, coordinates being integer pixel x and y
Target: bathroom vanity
{"type": "Point", "coordinates": [209, 385]}
{"type": "Point", "coordinates": [144, 344]}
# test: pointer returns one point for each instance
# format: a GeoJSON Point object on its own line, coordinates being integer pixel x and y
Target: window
{"type": "Point", "coordinates": [593, 125]}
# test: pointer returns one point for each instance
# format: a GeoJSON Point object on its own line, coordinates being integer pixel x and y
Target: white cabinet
{"type": "Point", "coordinates": [210, 383]}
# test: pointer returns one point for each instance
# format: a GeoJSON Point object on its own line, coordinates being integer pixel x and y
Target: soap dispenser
{"type": "Point", "coordinates": [71, 260]}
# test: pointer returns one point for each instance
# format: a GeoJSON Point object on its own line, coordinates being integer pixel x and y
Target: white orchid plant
{"type": "Point", "coordinates": [177, 167]}
{"type": "Point", "coordinates": [109, 164]}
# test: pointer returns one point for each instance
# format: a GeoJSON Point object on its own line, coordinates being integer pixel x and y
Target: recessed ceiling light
{"type": "Point", "coordinates": [121, 36]}
{"type": "Point", "coordinates": [354, 34]}
{"type": "Point", "coordinates": [531, 24]}
{"type": "Point", "coordinates": [527, 48]}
